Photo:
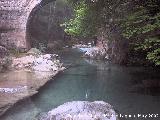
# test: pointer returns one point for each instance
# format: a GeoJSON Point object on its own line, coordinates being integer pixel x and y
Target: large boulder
{"type": "Point", "coordinates": [82, 110]}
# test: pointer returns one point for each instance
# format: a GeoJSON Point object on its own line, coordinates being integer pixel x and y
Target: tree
{"type": "Point", "coordinates": [136, 20]}
{"type": "Point", "coordinates": [142, 25]}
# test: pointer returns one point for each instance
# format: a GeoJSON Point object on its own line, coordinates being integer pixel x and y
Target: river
{"type": "Point", "coordinates": [92, 80]}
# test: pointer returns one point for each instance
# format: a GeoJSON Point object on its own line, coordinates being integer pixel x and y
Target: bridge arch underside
{"type": "Point", "coordinates": [15, 16]}
{"type": "Point", "coordinates": [43, 26]}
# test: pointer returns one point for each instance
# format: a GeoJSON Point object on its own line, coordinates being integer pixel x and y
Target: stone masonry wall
{"type": "Point", "coordinates": [13, 20]}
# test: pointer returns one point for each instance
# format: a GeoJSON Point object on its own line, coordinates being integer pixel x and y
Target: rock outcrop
{"type": "Point", "coordinates": [13, 21]}
{"type": "Point", "coordinates": [96, 53]}
{"type": "Point", "coordinates": [113, 48]}
{"type": "Point", "coordinates": [82, 110]}
{"type": "Point", "coordinates": [41, 63]}
{"type": "Point", "coordinates": [18, 85]}
{"type": "Point", "coordinates": [27, 74]}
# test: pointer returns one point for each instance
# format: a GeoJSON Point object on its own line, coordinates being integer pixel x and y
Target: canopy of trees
{"type": "Point", "coordinates": [138, 21]}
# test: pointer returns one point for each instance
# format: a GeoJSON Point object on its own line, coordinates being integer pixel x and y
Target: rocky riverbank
{"type": "Point", "coordinates": [27, 74]}
{"type": "Point", "coordinates": [93, 52]}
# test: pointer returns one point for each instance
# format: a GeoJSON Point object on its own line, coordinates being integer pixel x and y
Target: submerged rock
{"type": "Point", "coordinates": [82, 110]}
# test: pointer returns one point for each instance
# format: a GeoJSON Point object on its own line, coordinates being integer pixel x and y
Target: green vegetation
{"type": "Point", "coordinates": [143, 24]}
{"type": "Point", "coordinates": [152, 47]}
{"type": "Point", "coordinates": [84, 21]}
{"type": "Point", "coordinates": [138, 21]}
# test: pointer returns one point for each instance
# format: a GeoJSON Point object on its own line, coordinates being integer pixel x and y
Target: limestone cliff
{"type": "Point", "coordinates": [114, 46]}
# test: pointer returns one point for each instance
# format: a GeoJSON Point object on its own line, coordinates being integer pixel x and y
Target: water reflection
{"type": "Point", "coordinates": [92, 80]}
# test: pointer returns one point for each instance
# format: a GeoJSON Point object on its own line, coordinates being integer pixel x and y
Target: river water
{"type": "Point", "coordinates": [92, 80]}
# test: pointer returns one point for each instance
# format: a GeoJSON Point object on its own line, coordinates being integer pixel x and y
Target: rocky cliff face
{"type": "Point", "coordinates": [107, 47]}
{"type": "Point", "coordinates": [114, 46]}
{"type": "Point", "coordinates": [13, 20]}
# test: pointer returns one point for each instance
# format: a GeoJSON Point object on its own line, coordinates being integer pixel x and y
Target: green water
{"type": "Point", "coordinates": [92, 80]}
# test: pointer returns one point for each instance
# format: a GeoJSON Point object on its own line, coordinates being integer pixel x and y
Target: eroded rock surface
{"type": "Point", "coordinates": [28, 74]}
{"type": "Point", "coordinates": [82, 110]}
{"type": "Point", "coordinates": [41, 63]}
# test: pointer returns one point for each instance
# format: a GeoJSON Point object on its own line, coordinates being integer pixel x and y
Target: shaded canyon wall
{"type": "Point", "coordinates": [115, 46]}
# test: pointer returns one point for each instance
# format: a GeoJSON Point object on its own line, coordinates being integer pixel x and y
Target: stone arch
{"type": "Point", "coordinates": [14, 15]}
{"type": "Point", "coordinates": [33, 21]}
{"type": "Point", "coordinates": [43, 27]}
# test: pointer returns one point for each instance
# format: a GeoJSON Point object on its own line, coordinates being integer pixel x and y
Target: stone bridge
{"type": "Point", "coordinates": [14, 15]}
